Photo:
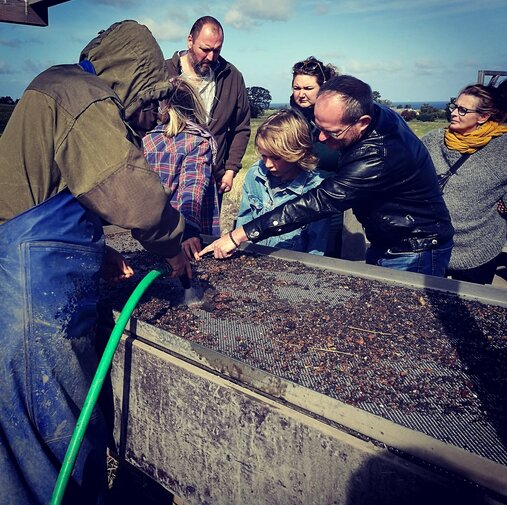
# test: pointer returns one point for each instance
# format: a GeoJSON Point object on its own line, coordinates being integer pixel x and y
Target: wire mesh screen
{"type": "Point", "coordinates": [427, 360]}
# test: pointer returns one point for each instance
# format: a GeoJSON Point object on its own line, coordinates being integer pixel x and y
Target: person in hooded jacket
{"type": "Point", "coordinates": [70, 159]}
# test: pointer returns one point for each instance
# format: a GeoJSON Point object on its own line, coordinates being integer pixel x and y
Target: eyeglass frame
{"type": "Point", "coordinates": [452, 107]}
{"type": "Point", "coordinates": [336, 135]}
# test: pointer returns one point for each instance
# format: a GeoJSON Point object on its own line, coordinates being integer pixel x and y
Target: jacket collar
{"type": "Point", "coordinates": [296, 186]}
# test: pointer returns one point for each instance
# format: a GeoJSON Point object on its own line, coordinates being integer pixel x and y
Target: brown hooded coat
{"type": "Point", "coordinates": [69, 130]}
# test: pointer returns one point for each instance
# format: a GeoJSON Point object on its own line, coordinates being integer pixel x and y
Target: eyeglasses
{"type": "Point", "coordinates": [308, 66]}
{"type": "Point", "coordinates": [462, 111]}
{"type": "Point", "coordinates": [336, 135]}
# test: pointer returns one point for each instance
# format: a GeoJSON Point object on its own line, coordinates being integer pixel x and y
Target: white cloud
{"type": "Point", "coordinates": [416, 8]}
{"type": "Point", "coordinates": [427, 64]}
{"type": "Point", "coordinates": [355, 67]}
{"type": "Point", "coordinates": [246, 14]}
{"type": "Point", "coordinates": [166, 30]}
{"type": "Point", "coordinates": [10, 43]}
{"type": "Point", "coordinates": [239, 20]}
{"type": "Point", "coordinates": [428, 67]}
{"type": "Point", "coordinates": [34, 67]}
{"type": "Point", "coordinates": [116, 3]}
{"type": "Point", "coordinates": [5, 68]}
{"type": "Point", "coordinates": [322, 8]}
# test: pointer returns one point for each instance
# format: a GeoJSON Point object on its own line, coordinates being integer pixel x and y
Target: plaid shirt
{"type": "Point", "coordinates": [184, 165]}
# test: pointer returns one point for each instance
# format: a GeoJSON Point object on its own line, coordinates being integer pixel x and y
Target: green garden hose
{"type": "Point", "coordinates": [96, 385]}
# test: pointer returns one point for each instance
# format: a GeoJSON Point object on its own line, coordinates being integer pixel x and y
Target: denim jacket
{"type": "Point", "coordinates": [260, 196]}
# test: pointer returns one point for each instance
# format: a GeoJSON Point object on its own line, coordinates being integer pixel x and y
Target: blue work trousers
{"type": "Point", "coordinates": [50, 260]}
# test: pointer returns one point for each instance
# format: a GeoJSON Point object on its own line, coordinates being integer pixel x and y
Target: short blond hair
{"type": "Point", "coordinates": [183, 103]}
{"type": "Point", "coordinates": [287, 134]}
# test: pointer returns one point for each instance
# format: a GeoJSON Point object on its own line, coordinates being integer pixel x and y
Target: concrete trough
{"type": "Point", "coordinates": [214, 430]}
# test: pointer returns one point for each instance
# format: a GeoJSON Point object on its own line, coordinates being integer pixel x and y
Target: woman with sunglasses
{"type": "Point", "coordinates": [346, 239]}
{"type": "Point", "coordinates": [470, 158]}
{"type": "Point", "coordinates": [307, 78]}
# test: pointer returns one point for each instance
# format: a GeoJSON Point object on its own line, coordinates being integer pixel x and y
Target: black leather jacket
{"type": "Point", "coordinates": [387, 178]}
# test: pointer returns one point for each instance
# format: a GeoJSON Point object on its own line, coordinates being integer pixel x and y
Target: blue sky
{"type": "Point", "coordinates": [408, 50]}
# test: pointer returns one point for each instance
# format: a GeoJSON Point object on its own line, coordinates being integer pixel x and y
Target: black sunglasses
{"type": "Point", "coordinates": [462, 111]}
{"type": "Point", "coordinates": [309, 66]}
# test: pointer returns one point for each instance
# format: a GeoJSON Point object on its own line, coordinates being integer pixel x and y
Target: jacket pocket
{"type": "Point", "coordinates": [61, 286]}
{"type": "Point", "coordinates": [257, 206]}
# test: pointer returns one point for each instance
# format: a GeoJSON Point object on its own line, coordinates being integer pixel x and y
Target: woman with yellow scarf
{"type": "Point", "coordinates": [470, 158]}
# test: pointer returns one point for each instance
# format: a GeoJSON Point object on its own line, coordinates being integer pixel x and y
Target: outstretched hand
{"type": "Point", "coordinates": [115, 268]}
{"type": "Point", "coordinates": [225, 246]}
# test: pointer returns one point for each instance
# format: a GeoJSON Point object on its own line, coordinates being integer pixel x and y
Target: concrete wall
{"type": "Point", "coordinates": [211, 440]}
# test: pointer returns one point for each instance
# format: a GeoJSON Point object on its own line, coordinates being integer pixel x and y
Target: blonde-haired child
{"type": "Point", "coordinates": [182, 151]}
{"type": "Point", "coordinates": [287, 169]}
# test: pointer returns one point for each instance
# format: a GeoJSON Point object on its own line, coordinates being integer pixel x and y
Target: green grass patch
{"type": "Point", "coordinates": [421, 128]}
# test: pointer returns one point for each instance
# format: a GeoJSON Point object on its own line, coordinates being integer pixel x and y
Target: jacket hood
{"type": "Point", "coordinates": [128, 58]}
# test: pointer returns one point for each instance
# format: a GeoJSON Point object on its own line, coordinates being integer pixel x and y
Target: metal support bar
{"type": "Point", "coordinates": [494, 74]}
{"type": "Point", "coordinates": [27, 12]}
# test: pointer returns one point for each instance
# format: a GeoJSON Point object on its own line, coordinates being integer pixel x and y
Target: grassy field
{"type": "Point", "coordinates": [232, 199]}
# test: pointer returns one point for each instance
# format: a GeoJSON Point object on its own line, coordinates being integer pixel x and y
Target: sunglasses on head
{"type": "Point", "coordinates": [309, 66]}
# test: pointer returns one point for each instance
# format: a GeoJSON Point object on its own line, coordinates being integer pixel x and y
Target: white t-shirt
{"type": "Point", "coordinates": [206, 86]}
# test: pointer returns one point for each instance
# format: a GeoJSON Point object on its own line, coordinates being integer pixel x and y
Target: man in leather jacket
{"type": "Point", "coordinates": [386, 177]}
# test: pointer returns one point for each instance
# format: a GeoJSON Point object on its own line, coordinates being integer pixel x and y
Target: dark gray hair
{"type": "Point", "coordinates": [356, 94]}
{"type": "Point", "coordinates": [205, 20]}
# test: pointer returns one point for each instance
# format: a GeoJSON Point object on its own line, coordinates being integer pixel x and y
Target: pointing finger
{"type": "Point", "coordinates": [206, 250]}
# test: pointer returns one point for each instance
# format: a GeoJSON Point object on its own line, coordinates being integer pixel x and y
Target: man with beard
{"type": "Point", "coordinates": [222, 89]}
{"type": "Point", "coordinates": [386, 176]}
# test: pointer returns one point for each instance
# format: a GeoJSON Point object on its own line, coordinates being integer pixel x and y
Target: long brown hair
{"type": "Point", "coordinates": [182, 104]}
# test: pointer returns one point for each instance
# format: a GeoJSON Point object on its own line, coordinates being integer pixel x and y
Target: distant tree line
{"type": "Point", "coordinates": [6, 107]}
{"type": "Point", "coordinates": [426, 113]}
{"type": "Point", "coordinates": [7, 100]}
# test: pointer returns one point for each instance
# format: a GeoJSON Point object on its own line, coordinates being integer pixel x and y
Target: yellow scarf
{"type": "Point", "coordinates": [469, 143]}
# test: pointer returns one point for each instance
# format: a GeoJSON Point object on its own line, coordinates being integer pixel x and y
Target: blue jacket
{"type": "Point", "coordinates": [260, 196]}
